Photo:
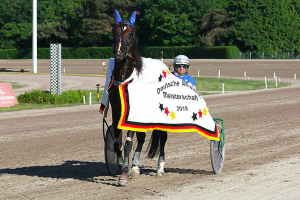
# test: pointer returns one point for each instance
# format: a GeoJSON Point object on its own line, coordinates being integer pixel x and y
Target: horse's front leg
{"type": "Point", "coordinates": [135, 170]}
{"type": "Point", "coordinates": [123, 178]}
{"type": "Point", "coordinates": [163, 136]}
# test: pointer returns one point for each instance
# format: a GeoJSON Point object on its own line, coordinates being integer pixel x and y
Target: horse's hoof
{"type": "Point", "coordinates": [135, 171]}
{"type": "Point", "coordinates": [123, 180]}
{"type": "Point", "coordinates": [160, 171]}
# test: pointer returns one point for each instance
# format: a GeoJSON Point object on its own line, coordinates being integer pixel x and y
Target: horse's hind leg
{"type": "Point", "coordinates": [161, 161]}
{"type": "Point", "coordinates": [135, 170]}
{"type": "Point", "coordinates": [123, 178]}
{"type": "Point", "coordinates": [118, 146]}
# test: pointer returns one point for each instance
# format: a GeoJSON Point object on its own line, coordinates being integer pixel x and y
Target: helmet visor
{"type": "Point", "coordinates": [181, 65]}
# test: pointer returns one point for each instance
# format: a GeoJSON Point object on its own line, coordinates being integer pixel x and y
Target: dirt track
{"type": "Point", "coordinates": [58, 153]}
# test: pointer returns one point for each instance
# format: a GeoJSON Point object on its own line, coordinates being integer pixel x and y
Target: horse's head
{"type": "Point", "coordinates": [123, 37]}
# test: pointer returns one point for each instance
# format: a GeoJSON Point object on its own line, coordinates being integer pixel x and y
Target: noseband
{"type": "Point", "coordinates": [125, 51]}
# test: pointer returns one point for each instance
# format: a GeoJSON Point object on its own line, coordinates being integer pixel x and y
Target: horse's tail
{"type": "Point", "coordinates": [154, 143]}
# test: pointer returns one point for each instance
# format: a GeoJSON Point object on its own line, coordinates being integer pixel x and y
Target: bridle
{"type": "Point", "coordinates": [124, 52]}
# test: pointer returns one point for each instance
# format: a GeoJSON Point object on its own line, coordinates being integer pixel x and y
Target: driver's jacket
{"type": "Point", "coordinates": [186, 79]}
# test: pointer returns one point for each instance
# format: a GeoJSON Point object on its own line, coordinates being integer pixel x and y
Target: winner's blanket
{"type": "Point", "coordinates": [156, 99]}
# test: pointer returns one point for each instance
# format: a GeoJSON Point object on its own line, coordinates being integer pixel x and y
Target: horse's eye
{"type": "Point", "coordinates": [129, 35]}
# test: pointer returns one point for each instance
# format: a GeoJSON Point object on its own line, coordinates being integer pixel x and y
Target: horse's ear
{"type": "Point", "coordinates": [117, 17]}
{"type": "Point", "coordinates": [132, 18]}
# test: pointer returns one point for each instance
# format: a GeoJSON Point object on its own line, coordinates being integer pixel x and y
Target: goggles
{"type": "Point", "coordinates": [181, 65]}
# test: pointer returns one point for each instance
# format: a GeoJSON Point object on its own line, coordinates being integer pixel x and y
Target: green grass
{"type": "Point", "coordinates": [230, 84]}
{"type": "Point", "coordinates": [15, 85]}
{"type": "Point", "coordinates": [26, 106]}
{"type": "Point", "coordinates": [207, 85]}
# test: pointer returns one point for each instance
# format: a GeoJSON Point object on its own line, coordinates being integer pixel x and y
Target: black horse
{"type": "Point", "coordinates": [127, 61]}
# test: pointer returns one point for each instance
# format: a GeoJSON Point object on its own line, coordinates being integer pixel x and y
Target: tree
{"type": "Point", "coordinates": [269, 25]}
{"type": "Point", "coordinates": [214, 28]}
{"type": "Point", "coordinates": [95, 22]}
{"type": "Point", "coordinates": [170, 22]}
{"type": "Point", "coordinates": [15, 35]}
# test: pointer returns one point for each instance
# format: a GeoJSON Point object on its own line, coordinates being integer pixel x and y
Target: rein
{"type": "Point", "coordinates": [126, 53]}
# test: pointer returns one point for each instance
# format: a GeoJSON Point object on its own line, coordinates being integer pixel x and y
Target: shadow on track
{"type": "Point", "coordinates": [147, 170]}
{"type": "Point", "coordinates": [87, 171]}
{"type": "Point", "coordinates": [81, 170]}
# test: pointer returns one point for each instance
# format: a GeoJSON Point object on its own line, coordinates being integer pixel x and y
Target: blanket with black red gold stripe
{"type": "Point", "coordinates": [156, 99]}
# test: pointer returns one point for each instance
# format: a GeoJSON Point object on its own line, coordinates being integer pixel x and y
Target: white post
{"type": "Point", "coordinates": [274, 75]}
{"type": "Point", "coordinates": [219, 74]}
{"type": "Point", "coordinates": [64, 70]}
{"type": "Point", "coordinates": [248, 77]}
{"type": "Point", "coordinates": [34, 36]}
{"type": "Point", "coordinates": [276, 81]}
{"type": "Point", "coordinates": [90, 100]}
{"type": "Point", "coordinates": [83, 99]}
{"type": "Point", "coordinates": [266, 84]}
{"type": "Point", "coordinates": [279, 80]}
{"type": "Point", "coordinates": [222, 88]}
{"type": "Point", "coordinates": [198, 72]}
{"type": "Point", "coordinates": [294, 76]}
{"type": "Point", "coordinates": [245, 74]}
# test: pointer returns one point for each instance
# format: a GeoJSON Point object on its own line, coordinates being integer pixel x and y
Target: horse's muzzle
{"type": "Point", "coordinates": [118, 57]}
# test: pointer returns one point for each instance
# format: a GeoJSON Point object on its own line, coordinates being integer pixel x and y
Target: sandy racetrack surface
{"type": "Point", "coordinates": [58, 153]}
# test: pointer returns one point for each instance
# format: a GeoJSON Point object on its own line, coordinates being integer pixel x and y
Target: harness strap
{"type": "Point", "coordinates": [118, 82]}
{"type": "Point", "coordinates": [124, 70]}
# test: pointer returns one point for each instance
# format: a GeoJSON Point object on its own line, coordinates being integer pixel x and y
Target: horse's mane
{"type": "Point", "coordinates": [137, 56]}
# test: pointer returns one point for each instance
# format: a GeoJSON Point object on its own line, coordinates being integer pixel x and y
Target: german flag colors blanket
{"type": "Point", "coordinates": [156, 99]}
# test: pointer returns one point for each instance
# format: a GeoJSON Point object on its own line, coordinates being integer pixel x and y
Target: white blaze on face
{"type": "Point", "coordinates": [119, 49]}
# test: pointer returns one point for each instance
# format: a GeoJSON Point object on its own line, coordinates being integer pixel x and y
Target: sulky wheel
{"type": "Point", "coordinates": [110, 155]}
{"type": "Point", "coordinates": [217, 152]}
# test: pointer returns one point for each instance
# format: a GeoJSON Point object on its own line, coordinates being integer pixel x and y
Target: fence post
{"type": "Point", "coordinates": [55, 69]}
{"type": "Point", "coordinates": [223, 88]}
{"type": "Point", "coordinates": [104, 67]}
{"type": "Point", "coordinates": [90, 100]}
{"type": "Point", "coordinates": [266, 84]}
{"type": "Point", "coordinates": [98, 97]}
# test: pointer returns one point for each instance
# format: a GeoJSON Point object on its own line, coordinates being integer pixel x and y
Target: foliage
{"type": "Point", "coordinates": [265, 25]}
{"type": "Point", "coordinates": [106, 52]}
{"type": "Point", "coordinates": [258, 25]}
{"type": "Point", "coordinates": [215, 27]}
{"type": "Point", "coordinates": [192, 52]}
{"type": "Point", "coordinates": [45, 97]}
{"type": "Point", "coordinates": [170, 22]}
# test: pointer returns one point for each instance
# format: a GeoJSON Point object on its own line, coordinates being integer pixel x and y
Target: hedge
{"type": "Point", "coordinates": [220, 52]}
{"type": "Point", "coordinates": [45, 97]}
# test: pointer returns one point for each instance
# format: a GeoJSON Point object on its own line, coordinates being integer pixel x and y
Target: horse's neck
{"type": "Point", "coordinates": [119, 70]}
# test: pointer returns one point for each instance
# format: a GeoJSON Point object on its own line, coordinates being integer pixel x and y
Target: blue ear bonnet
{"type": "Point", "coordinates": [132, 18]}
{"type": "Point", "coordinates": [119, 19]}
